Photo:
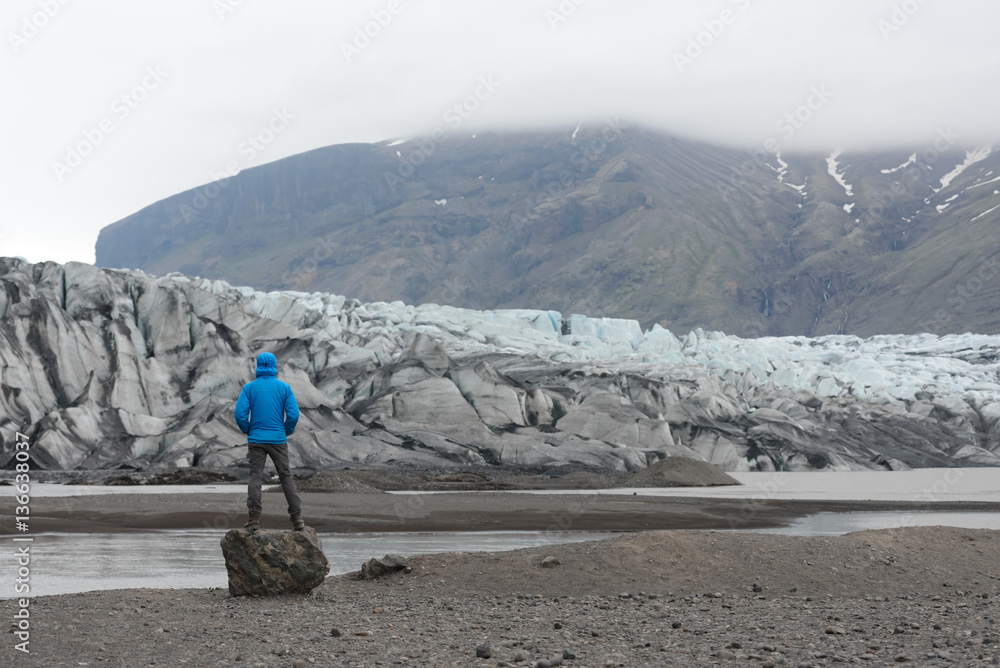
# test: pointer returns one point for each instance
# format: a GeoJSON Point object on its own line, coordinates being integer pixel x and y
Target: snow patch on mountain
{"type": "Point", "coordinates": [986, 212]}
{"type": "Point", "coordinates": [971, 158]}
{"type": "Point", "coordinates": [781, 169]}
{"type": "Point", "coordinates": [947, 203]}
{"type": "Point", "coordinates": [911, 160]}
{"type": "Point", "coordinates": [832, 167]}
{"type": "Point", "coordinates": [977, 185]}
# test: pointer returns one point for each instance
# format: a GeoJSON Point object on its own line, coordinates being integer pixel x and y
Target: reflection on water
{"type": "Point", "coordinates": [69, 563]}
{"type": "Point", "coordinates": [834, 524]}
{"type": "Point", "coordinates": [922, 485]}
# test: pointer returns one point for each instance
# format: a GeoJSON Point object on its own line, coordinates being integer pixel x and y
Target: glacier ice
{"type": "Point", "coordinates": [103, 368]}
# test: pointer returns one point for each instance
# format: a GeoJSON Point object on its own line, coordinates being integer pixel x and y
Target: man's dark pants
{"type": "Point", "coordinates": [258, 453]}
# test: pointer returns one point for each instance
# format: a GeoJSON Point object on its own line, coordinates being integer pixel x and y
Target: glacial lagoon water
{"type": "Point", "coordinates": [68, 563]}
{"type": "Point", "coordinates": [63, 563]}
{"type": "Point", "coordinates": [923, 485]}
{"type": "Point", "coordinates": [926, 485]}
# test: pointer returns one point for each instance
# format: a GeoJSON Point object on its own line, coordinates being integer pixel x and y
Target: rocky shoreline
{"type": "Point", "coordinates": [924, 596]}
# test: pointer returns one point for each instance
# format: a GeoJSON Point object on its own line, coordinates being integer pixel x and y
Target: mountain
{"type": "Point", "coordinates": [610, 221]}
{"type": "Point", "coordinates": [107, 369]}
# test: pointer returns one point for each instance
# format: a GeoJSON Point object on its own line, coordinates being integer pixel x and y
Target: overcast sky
{"type": "Point", "coordinates": [111, 105]}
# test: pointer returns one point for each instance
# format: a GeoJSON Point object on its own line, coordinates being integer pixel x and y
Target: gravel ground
{"type": "Point", "coordinates": [925, 596]}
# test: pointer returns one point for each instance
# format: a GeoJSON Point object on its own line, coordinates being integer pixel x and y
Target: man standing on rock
{"type": "Point", "coordinates": [267, 413]}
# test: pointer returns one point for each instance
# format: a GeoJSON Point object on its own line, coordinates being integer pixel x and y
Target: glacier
{"type": "Point", "coordinates": [106, 368]}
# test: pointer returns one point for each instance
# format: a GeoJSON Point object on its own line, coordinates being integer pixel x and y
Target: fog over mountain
{"type": "Point", "coordinates": [722, 73]}
{"type": "Point", "coordinates": [607, 220]}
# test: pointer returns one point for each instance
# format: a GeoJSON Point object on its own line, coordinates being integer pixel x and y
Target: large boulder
{"type": "Point", "coordinates": [271, 563]}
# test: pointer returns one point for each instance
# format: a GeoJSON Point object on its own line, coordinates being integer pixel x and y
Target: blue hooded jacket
{"type": "Point", "coordinates": [266, 410]}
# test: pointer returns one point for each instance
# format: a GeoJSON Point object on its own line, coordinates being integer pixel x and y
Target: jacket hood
{"type": "Point", "coordinates": [267, 365]}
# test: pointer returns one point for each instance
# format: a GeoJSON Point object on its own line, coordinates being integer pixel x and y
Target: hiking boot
{"type": "Point", "coordinates": [253, 522]}
{"type": "Point", "coordinates": [298, 524]}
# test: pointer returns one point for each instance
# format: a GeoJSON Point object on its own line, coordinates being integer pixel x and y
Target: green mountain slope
{"type": "Point", "coordinates": [607, 221]}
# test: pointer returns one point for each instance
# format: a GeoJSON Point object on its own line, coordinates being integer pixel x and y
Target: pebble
{"type": "Point", "coordinates": [435, 626]}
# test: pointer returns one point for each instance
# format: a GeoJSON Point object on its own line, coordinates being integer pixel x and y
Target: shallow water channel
{"type": "Point", "coordinates": [67, 563]}
{"type": "Point", "coordinates": [63, 563]}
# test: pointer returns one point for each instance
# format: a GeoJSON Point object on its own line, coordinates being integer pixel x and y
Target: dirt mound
{"type": "Point", "coordinates": [680, 472]}
{"type": "Point", "coordinates": [583, 480]}
{"type": "Point", "coordinates": [889, 562]}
